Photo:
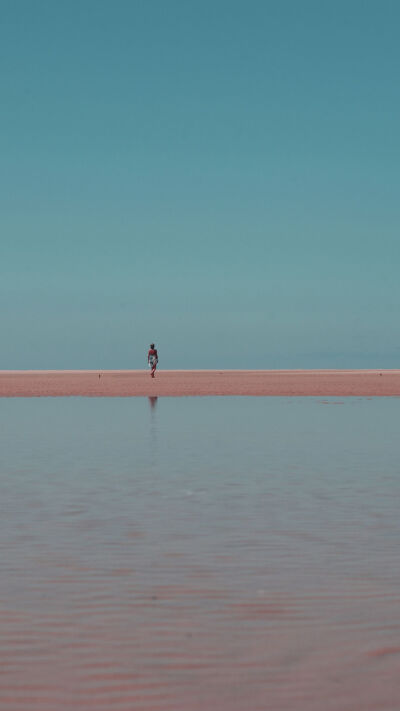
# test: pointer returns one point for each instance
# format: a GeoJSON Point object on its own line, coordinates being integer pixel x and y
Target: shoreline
{"type": "Point", "coordinates": [188, 383]}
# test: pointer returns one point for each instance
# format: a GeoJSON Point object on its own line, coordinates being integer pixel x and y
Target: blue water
{"type": "Point", "coordinates": [199, 553]}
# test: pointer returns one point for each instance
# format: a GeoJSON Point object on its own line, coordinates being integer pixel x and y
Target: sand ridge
{"type": "Point", "coordinates": [177, 383]}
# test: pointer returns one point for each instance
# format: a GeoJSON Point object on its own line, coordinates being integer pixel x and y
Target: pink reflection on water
{"type": "Point", "coordinates": [151, 589]}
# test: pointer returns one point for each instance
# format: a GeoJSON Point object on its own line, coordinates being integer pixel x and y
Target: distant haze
{"type": "Point", "coordinates": [221, 178]}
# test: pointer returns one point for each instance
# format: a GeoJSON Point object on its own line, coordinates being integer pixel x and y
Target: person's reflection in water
{"type": "Point", "coordinates": [153, 433]}
{"type": "Point", "coordinates": [153, 403]}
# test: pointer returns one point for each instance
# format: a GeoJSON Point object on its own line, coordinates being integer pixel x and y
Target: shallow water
{"type": "Point", "coordinates": [199, 554]}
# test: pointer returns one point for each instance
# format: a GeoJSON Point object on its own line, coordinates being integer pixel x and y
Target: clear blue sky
{"type": "Point", "coordinates": [220, 177]}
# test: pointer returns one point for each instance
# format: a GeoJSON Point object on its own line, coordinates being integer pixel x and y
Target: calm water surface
{"type": "Point", "coordinates": [212, 554]}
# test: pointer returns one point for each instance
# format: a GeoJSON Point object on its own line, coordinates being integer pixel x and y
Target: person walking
{"type": "Point", "coordinates": [152, 359]}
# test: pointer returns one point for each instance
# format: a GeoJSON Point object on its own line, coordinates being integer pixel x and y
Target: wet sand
{"type": "Point", "coordinates": [176, 383]}
{"type": "Point", "coordinates": [203, 554]}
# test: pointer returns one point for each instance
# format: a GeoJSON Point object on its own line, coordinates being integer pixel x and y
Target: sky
{"type": "Point", "coordinates": [220, 177]}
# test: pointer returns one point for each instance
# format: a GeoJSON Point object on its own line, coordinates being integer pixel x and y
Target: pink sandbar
{"type": "Point", "coordinates": [175, 383]}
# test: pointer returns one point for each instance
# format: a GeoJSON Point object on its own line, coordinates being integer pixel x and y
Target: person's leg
{"type": "Point", "coordinates": [153, 370]}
